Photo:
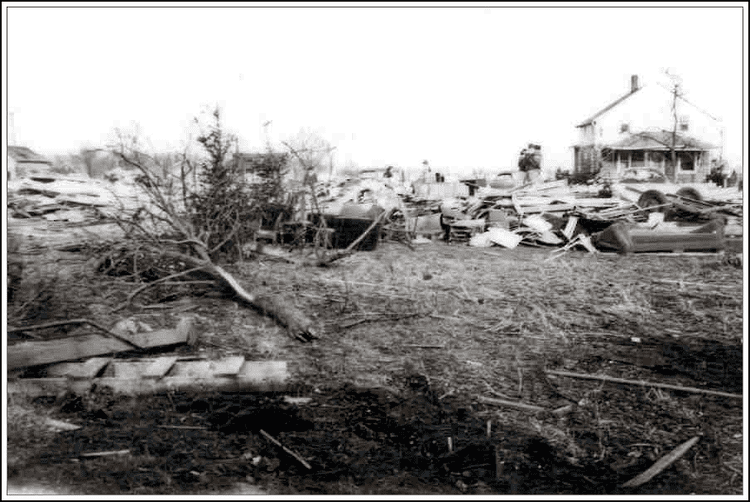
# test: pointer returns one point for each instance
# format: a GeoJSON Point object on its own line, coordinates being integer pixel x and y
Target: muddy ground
{"type": "Point", "coordinates": [411, 340]}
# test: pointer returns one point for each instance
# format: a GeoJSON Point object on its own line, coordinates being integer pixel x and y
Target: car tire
{"type": "Point", "coordinates": [651, 198]}
{"type": "Point", "coordinates": [690, 193]}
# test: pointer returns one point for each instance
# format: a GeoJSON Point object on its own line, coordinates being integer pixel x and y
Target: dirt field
{"type": "Point", "coordinates": [410, 343]}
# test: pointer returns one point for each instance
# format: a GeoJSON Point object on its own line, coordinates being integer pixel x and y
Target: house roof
{"type": "Point", "coordinates": [659, 140]}
{"type": "Point", "coordinates": [258, 155]}
{"type": "Point", "coordinates": [607, 108]}
{"type": "Point", "coordinates": [24, 154]}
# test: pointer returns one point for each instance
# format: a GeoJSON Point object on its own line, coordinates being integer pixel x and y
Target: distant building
{"type": "Point", "coordinates": [637, 131]}
{"type": "Point", "coordinates": [23, 161]}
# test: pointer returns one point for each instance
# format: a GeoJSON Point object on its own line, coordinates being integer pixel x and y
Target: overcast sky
{"type": "Point", "coordinates": [461, 87]}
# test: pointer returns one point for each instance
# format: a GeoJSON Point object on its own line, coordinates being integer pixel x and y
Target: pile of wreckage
{"type": "Point", "coordinates": [544, 214]}
{"type": "Point", "coordinates": [541, 214]}
{"type": "Point", "coordinates": [558, 215]}
{"type": "Point", "coordinates": [68, 198]}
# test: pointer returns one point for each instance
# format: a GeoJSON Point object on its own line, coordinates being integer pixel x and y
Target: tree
{"type": "Point", "coordinates": [185, 228]}
{"type": "Point", "coordinates": [312, 155]}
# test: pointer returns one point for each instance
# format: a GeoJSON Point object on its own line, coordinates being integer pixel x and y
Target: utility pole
{"type": "Point", "coordinates": [675, 90]}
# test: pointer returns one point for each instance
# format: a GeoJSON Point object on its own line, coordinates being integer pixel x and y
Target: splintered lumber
{"type": "Point", "coordinates": [661, 464]}
{"type": "Point", "coordinates": [570, 227]}
{"type": "Point", "coordinates": [585, 241]}
{"type": "Point", "coordinates": [548, 208]}
{"type": "Point", "coordinates": [88, 369]}
{"type": "Point", "coordinates": [73, 321]}
{"type": "Point", "coordinates": [228, 367]}
{"type": "Point", "coordinates": [38, 352]}
{"type": "Point", "coordinates": [643, 383]}
{"type": "Point", "coordinates": [286, 450]}
{"type": "Point", "coordinates": [254, 376]}
{"type": "Point", "coordinates": [159, 368]}
{"type": "Point", "coordinates": [51, 351]}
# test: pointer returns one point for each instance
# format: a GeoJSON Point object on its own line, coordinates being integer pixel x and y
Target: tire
{"type": "Point", "coordinates": [653, 198]}
{"type": "Point", "coordinates": [690, 193]}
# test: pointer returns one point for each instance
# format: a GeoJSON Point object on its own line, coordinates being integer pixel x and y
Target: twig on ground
{"type": "Point", "coordinates": [105, 453]}
{"type": "Point", "coordinates": [643, 383]}
{"type": "Point", "coordinates": [135, 293]}
{"type": "Point", "coordinates": [287, 450]}
{"type": "Point", "coordinates": [183, 427]}
{"type": "Point", "coordinates": [661, 464]}
{"type": "Point", "coordinates": [511, 404]}
{"type": "Point", "coordinates": [394, 317]}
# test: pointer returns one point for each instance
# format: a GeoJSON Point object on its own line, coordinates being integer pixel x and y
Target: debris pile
{"type": "Point", "coordinates": [619, 217]}
{"type": "Point", "coordinates": [73, 199]}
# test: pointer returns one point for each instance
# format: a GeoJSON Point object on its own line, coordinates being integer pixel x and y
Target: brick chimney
{"type": "Point", "coordinates": [634, 83]}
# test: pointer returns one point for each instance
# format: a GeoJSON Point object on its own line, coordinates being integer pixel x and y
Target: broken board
{"type": "Point", "coordinates": [250, 376]}
{"type": "Point", "coordinates": [35, 353]}
{"type": "Point", "coordinates": [88, 369]}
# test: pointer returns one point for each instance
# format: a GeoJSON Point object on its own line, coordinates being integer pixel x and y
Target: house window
{"type": "Point", "coordinates": [687, 161]}
{"type": "Point", "coordinates": [624, 127]}
{"type": "Point", "coordinates": [637, 158]}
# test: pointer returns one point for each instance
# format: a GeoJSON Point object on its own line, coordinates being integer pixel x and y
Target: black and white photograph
{"type": "Point", "coordinates": [374, 250]}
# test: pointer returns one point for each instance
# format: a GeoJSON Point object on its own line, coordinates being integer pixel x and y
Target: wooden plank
{"type": "Point", "coordinates": [586, 242]}
{"type": "Point", "coordinates": [229, 367]}
{"type": "Point", "coordinates": [255, 376]}
{"type": "Point", "coordinates": [130, 369]}
{"type": "Point", "coordinates": [548, 208]}
{"type": "Point", "coordinates": [206, 369]}
{"type": "Point", "coordinates": [66, 349]}
{"type": "Point", "coordinates": [34, 353]}
{"type": "Point", "coordinates": [88, 369]}
{"type": "Point", "coordinates": [570, 227]}
{"type": "Point", "coordinates": [160, 367]}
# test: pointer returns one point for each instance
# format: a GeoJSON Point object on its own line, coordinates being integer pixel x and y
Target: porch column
{"type": "Point", "coordinates": [617, 162]}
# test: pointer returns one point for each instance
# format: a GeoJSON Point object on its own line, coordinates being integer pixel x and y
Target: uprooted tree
{"type": "Point", "coordinates": [196, 214]}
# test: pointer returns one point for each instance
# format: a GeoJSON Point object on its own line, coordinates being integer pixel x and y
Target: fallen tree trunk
{"type": "Point", "coordinates": [297, 324]}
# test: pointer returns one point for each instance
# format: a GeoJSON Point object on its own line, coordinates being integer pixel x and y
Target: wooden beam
{"type": "Point", "coordinates": [67, 349]}
{"type": "Point", "coordinates": [159, 368]}
{"type": "Point", "coordinates": [35, 353]}
{"type": "Point", "coordinates": [255, 376]}
{"type": "Point", "coordinates": [88, 369]}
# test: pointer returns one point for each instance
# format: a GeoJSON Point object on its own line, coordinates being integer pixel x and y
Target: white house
{"type": "Point", "coordinates": [638, 130]}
